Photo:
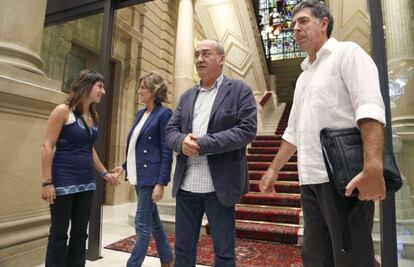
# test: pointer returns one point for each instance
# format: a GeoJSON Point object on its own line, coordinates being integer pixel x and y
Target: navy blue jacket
{"type": "Point", "coordinates": [232, 126]}
{"type": "Point", "coordinates": [152, 155]}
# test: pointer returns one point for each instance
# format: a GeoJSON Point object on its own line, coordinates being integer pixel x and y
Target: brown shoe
{"type": "Point", "coordinates": [168, 263]}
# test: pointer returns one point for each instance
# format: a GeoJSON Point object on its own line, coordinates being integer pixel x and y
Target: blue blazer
{"type": "Point", "coordinates": [231, 127]}
{"type": "Point", "coordinates": [152, 155]}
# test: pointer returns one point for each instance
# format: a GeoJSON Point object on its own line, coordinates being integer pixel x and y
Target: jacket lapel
{"type": "Point", "coordinates": [149, 119]}
{"type": "Point", "coordinates": [140, 113]}
{"type": "Point", "coordinates": [223, 91]}
{"type": "Point", "coordinates": [192, 100]}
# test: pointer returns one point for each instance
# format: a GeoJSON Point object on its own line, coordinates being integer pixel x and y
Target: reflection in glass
{"type": "Point", "coordinates": [70, 47]}
{"type": "Point", "coordinates": [399, 34]}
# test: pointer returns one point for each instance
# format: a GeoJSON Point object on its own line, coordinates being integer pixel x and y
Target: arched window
{"type": "Point", "coordinates": [276, 29]}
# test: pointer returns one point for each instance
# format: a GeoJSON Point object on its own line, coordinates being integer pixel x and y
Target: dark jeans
{"type": "Point", "coordinates": [190, 209]}
{"type": "Point", "coordinates": [75, 208]}
{"type": "Point", "coordinates": [147, 221]}
{"type": "Point", "coordinates": [323, 237]}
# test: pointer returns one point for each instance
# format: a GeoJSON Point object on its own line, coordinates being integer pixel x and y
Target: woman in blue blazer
{"type": "Point", "coordinates": [148, 168]}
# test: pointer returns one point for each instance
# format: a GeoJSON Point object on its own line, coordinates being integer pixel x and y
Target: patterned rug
{"type": "Point", "coordinates": [249, 253]}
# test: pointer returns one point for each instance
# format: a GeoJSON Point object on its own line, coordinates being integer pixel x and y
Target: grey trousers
{"type": "Point", "coordinates": [323, 233]}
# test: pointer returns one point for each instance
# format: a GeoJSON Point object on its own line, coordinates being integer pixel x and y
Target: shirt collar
{"type": "Point", "coordinates": [217, 84]}
{"type": "Point", "coordinates": [327, 47]}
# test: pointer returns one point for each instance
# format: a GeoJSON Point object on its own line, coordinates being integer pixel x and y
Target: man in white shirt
{"type": "Point", "coordinates": [213, 123]}
{"type": "Point", "coordinates": [338, 88]}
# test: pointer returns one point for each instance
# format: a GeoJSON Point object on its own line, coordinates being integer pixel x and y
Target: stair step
{"type": "Point", "coordinates": [283, 176]}
{"type": "Point", "coordinates": [268, 137]}
{"type": "Point", "coordinates": [263, 150]}
{"type": "Point", "coordinates": [266, 143]}
{"type": "Point", "coordinates": [287, 216]}
{"type": "Point", "coordinates": [267, 231]}
{"type": "Point", "coordinates": [280, 187]}
{"type": "Point", "coordinates": [266, 158]}
{"type": "Point", "coordinates": [278, 199]}
{"type": "Point", "coordinates": [262, 166]}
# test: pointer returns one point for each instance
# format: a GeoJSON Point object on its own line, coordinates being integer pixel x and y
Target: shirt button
{"type": "Point", "coordinates": [145, 151]}
{"type": "Point", "coordinates": [149, 138]}
{"type": "Point", "coordinates": [145, 165]}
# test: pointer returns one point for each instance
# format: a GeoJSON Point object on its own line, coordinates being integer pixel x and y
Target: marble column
{"type": "Point", "coordinates": [21, 29]}
{"type": "Point", "coordinates": [26, 98]}
{"type": "Point", "coordinates": [184, 60]}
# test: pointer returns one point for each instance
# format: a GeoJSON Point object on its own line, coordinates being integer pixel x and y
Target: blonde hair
{"type": "Point", "coordinates": [157, 85]}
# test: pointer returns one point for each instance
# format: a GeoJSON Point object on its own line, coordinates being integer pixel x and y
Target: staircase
{"type": "Point", "coordinates": [287, 72]}
{"type": "Point", "coordinates": [271, 217]}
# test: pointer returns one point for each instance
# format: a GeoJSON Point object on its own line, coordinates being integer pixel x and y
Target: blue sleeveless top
{"type": "Point", "coordinates": [72, 166]}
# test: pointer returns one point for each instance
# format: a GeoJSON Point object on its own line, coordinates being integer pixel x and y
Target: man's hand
{"type": "Point", "coordinates": [189, 146]}
{"type": "Point", "coordinates": [266, 185]}
{"type": "Point", "coordinates": [370, 184]}
{"type": "Point", "coordinates": [370, 181]}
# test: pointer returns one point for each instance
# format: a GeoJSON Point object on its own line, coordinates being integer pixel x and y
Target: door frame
{"type": "Point", "coordinates": [389, 255]}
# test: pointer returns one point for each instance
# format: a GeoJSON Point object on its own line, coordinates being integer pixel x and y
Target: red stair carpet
{"type": "Point", "coordinates": [270, 217]}
{"type": "Point", "coordinates": [249, 253]}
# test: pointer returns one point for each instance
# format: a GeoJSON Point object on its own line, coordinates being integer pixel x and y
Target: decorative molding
{"type": "Point", "coordinates": [351, 22]}
{"type": "Point", "coordinates": [231, 23]}
{"type": "Point", "coordinates": [25, 230]}
{"type": "Point", "coordinates": [123, 28]}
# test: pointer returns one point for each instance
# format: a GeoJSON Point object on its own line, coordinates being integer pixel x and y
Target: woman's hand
{"type": "Point", "coordinates": [157, 193]}
{"type": "Point", "coordinates": [117, 171]}
{"type": "Point", "coordinates": [49, 193]}
{"type": "Point", "coordinates": [112, 179]}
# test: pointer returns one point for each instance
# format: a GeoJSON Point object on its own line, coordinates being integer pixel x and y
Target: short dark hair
{"type": "Point", "coordinates": [318, 9]}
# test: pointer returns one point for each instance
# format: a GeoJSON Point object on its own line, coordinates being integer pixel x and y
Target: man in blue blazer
{"type": "Point", "coordinates": [213, 123]}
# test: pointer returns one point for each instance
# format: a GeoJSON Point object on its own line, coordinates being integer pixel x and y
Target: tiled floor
{"type": "Point", "coordinates": [115, 227]}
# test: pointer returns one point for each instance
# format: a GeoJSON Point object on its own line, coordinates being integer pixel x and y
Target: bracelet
{"type": "Point", "coordinates": [44, 184]}
{"type": "Point", "coordinates": [104, 173]}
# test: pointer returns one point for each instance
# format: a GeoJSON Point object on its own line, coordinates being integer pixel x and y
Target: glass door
{"type": "Point", "coordinates": [70, 47]}
{"type": "Point", "coordinates": [392, 29]}
{"type": "Point", "coordinates": [398, 18]}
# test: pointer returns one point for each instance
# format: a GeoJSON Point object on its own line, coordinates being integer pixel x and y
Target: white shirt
{"type": "Point", "coordinates": [131, 161]}
{"type": "Point", "coordinates": [198, 176]}
{"type": "Point", "coordinates": [339, 88]}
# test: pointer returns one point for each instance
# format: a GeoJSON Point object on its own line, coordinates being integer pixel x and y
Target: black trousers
{"type": "Point", "coordinates": [323, 233]}
{"type": "Point", "coordinates": [76, 209]}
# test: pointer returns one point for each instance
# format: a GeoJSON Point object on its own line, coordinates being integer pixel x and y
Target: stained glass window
{"type": "Point", "coordinates": [276, 29]}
